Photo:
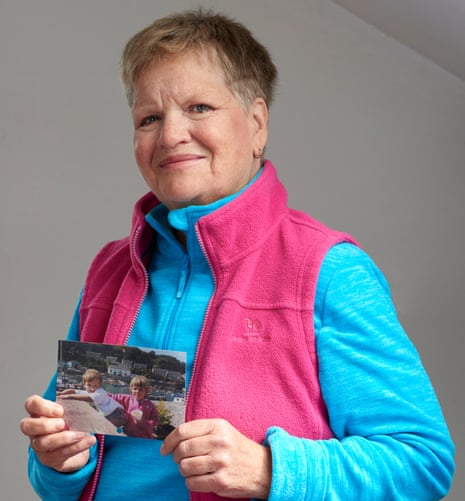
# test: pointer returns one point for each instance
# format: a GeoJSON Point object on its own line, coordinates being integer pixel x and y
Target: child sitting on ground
{"type": "Point", "coordinates": [94, 393]}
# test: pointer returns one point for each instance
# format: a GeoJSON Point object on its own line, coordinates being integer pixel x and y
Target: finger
{"type": "Point", "coordinates": [196, 466]}
{"type": "Point", "coordinates": [32, 427]}
{"type": "Point", "coordinates": [59, 441]}
{"type": "Point", "coordinates": [37, 406]}
{"type": "Point", "coordinates": [198, 446]}
{"type": "Point", "coordinates": [187, 431]}
{"type": "Point", "coordinates": [204, 483]}
{"type": "Point", "coordinates": [69, 455]}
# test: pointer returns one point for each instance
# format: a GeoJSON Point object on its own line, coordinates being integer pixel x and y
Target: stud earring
{"type": "Point", "coordinates": [258, 154]}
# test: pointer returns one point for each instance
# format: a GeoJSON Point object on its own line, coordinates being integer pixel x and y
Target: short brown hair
{"type": "Point", "coordinates": [140, 382]}
{"type": "Point", "coordinates": [247, 65]}
{"type": "Point", "coordinates": [91, 375]}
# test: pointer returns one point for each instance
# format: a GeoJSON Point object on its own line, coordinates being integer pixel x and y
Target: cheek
{"type": "Point", "coordinates": [239, 135]}
{"type": "Point", "coordinates": [143, 150]}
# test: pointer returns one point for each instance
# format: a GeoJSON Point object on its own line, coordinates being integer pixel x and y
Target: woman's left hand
{"type": "Point", "coordinates": [215, 457]}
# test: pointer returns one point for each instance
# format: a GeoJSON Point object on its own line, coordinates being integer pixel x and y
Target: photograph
{"type": "Point", "coordinates": [121, 390]}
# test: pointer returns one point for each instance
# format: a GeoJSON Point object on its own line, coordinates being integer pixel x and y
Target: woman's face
{"type": "Point", "coordinates": [194, 142]}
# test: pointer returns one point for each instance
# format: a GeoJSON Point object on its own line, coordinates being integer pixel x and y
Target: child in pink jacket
{"type": "Point", "coordinates": [142, 412]}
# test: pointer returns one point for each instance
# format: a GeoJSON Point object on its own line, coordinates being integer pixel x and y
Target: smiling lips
{"type": "Point", "coordinates": [175, 160]}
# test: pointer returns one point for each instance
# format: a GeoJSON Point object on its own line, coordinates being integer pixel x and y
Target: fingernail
{"type": "Point", "coordinates": [77, 435]}
{"type": "Point", "coordinates": [60, 425]}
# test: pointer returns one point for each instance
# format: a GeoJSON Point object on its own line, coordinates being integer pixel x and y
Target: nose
{"type": "Point", "coordinates": [174, 130]}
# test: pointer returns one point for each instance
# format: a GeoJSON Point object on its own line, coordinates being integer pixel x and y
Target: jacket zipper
{"type": "Point", "coordinates": [182, 283]}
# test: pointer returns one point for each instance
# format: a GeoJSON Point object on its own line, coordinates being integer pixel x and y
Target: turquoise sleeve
{"type": "Point", "coordinates": [54, 486]}
{"type": "Point", "coordinates": [47, 482]}
{"type": "Point", "coordinates": [391, 440]}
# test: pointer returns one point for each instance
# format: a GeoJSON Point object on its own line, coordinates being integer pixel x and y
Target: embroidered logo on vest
{"type": "Point", "coordinates": [253, 332]}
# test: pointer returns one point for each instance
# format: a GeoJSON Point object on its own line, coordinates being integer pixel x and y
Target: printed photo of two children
{"type": "Point", "coordinates": [121, 390]}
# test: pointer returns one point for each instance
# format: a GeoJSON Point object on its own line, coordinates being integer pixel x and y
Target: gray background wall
{"type": "Point", "coordinates": [368, 136]}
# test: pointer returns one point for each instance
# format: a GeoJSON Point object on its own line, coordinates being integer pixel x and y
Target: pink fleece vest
{"type": "Point", "coordinates": [256, 362]}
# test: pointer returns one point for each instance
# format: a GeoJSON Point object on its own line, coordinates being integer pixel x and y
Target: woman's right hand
{"type": "Point", "coordinates": [55, 445]}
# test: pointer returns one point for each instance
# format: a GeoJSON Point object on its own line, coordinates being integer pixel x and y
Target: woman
{"type": "Point", "coordinates": [301, 382]}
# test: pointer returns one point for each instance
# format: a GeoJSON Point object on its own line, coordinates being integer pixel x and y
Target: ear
{"type": "Point", "coordinates": [259, 122]}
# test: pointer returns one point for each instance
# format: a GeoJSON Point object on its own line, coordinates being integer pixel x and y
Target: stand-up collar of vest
{"type": "Point", "coordinates": [234, 230]}
{"type": "Point", "coordinates": [242, 225]}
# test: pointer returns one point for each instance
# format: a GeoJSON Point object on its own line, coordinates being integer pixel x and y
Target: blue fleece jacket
{"type": "Point", "coordinates": [391, 439]}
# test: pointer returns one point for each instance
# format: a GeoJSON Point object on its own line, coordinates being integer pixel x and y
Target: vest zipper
{"type": "Point", "coordinates": [98, 468]}
{"type": "Point", "coordinates": [202, 330]}
{"type": "Point", "coordinates": [146, 281]}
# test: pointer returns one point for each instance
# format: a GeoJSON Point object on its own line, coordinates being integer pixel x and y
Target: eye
{"type": "Point", "coordinates": [200, 108]}
{"type": "Point", "coordinates": [149, 120]}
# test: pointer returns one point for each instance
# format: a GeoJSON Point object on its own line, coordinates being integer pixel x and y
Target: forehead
{"type": "Point", "coordinates": [192, 71]}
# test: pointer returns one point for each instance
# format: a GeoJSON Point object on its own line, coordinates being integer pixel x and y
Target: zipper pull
{"type": "Point", "coordinates": [183, 277]}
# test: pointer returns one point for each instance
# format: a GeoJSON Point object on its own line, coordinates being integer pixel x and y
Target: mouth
{"type": "Point", "coordinates": [179, 160]}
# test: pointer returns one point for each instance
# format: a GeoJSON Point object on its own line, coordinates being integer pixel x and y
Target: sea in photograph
{"type": "Point", "coordinates": [116, 388]}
